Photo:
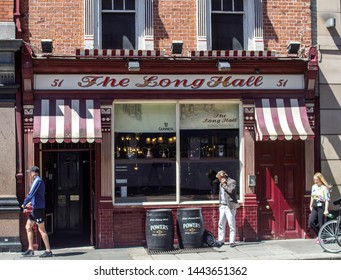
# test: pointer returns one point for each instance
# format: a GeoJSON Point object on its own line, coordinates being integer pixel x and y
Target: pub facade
{"type": "Point", "coordinates": [118, 131]}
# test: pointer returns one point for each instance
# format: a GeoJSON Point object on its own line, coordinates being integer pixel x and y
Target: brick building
{"type": "Point", "coordinates": [327, 39]}
{"type": "Point", "coordinates": [130, 106]}
{"type": "Point", "coordinates": [9, 89]}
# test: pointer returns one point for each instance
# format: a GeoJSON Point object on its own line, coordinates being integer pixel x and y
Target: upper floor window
{"type": "Point", "coordinates": [227, 24]}
{"type": "Point", "coordinates": [118, 24]}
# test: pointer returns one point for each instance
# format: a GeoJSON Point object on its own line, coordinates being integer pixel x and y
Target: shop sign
{"type": "Point", "coordinates": [209, 116]}
{"type": "Point", "coordinates": [168, 82]}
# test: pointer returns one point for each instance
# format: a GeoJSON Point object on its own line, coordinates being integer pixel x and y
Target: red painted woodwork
{"type": "Point", "coordinates": [280, 185]}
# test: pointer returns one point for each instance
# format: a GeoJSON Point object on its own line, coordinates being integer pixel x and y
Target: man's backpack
{"type": "Point", "coordinates": [209, 239]}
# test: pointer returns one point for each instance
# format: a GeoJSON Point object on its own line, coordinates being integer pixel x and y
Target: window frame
{"type": "Point", "coordinates": [139, 24]}
{"type": "Point", "coordinates": [248, 24]}
{"type": "Point", "coordinates": [178, 158]}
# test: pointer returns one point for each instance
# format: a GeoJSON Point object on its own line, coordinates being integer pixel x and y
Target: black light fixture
{"type": "Point", "coordinates": [223, 65]}
{"type": "Point", "coordinates": [133, 65]}
{"type": "Point", "coordinates": [46, 46]}
{"type": "Point", "coordinates": [293, 47]}
{"type": "Point", "coordinates": [177, 47]}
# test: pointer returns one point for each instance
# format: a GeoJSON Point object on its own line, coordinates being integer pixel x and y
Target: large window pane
{"type": "Point", "coordinates": [145, 152]}
{"type": "Point", "coordinates": [227, 32]}
{"type": "Point", "coordinates": [118, 30]}
{"type": "Point", "coordinates": [209, 142]}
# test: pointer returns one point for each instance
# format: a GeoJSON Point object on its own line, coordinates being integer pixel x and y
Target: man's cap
{"type": "Point", "coordinates": [33, 169]}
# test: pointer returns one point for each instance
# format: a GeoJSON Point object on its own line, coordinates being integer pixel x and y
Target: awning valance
{"type": "Point", "coordinates": [67, 120]}
{"type": "Point", "coordinates": [282, 119]}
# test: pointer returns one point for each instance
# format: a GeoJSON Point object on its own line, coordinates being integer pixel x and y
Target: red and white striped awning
{"type": "Point", "coordinates": [282, 119]}
{"type": "Point", "coordinates": [67, 120]}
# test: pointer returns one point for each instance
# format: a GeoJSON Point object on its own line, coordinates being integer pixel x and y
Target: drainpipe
{"type": "Point", "coordinates": [17, 16]}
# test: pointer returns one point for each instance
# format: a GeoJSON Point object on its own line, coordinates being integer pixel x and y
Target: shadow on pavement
{"type": "Point", "coordinates": [68, 254]}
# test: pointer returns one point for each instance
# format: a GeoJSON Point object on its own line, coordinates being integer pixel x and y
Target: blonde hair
{"type": "Point", "coordinates": [221, 173]}
{"type": "Point", "coordinates": [322, 179]}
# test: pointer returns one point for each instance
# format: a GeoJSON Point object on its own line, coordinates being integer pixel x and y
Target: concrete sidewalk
{"type": "Point", "coordinates": [297, 249]}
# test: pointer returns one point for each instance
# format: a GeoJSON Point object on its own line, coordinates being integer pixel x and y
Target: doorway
{"type": "Point", "coordinates": [280, 186]}
{"type": "Point", "coordinates": [69, 178]}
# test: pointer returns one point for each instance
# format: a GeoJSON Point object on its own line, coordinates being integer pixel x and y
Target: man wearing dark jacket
{"type": "Point", "coordinates": [36, 199]}
{"type": "Point", "coordinates": [227, 209]}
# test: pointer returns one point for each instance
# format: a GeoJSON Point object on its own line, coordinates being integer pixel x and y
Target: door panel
{"type": "Point", "coordinates": [280, 183]}
{"type": "Point", "coordinates": [69, 192]}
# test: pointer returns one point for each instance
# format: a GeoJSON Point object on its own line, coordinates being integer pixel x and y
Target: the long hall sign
{"type": "Point", "coordinates": [168, 82]}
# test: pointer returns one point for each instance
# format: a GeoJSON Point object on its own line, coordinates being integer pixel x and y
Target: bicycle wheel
{"type": "Point", "coordinates": [330, 237]}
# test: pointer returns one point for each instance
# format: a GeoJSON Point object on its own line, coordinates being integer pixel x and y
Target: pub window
{"type": "Point", "coordinates": [170, 152]}
{"type": "Point", "coordinates": [209, 142]}
{"type": "Point", "coordinates": [145, 152]}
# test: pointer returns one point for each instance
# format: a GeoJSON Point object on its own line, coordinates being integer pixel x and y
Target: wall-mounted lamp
{"type": "Point", "coordinates": [177, 47]}
{"type": "Point", "coordinates": [331, 23]}
{"type": "Point", "coordinates": [133, 65]}
{"type": "Point", "coordinates": [224, 66]}
{"type": "Point", "coordinates": [46, 46]}
{"type": "Point", "coordinates": [293, 47]}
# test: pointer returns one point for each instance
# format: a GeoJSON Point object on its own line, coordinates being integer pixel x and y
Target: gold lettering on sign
{"type": "Point", "coordinates": [154, 81]}
{"type": "Point", "coordinates": [89, 81]}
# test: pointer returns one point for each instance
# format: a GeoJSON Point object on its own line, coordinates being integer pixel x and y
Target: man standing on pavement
{"type": "Point", "coordinates": [36, 198]}
{"type": "Point", "coordinates": [227, 209]}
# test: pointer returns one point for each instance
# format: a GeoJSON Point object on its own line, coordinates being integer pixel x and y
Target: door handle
{"type": "Point", "coordinates": [266, 207]}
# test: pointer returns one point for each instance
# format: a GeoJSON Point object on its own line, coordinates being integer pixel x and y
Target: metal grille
{"type": "Point", "coordinates": [181, 251]}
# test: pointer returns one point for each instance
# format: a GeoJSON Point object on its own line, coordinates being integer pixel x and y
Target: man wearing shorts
{"type": "Point", "coordinates": [36, 198]}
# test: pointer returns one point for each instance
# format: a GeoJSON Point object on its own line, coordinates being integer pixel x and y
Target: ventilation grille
{"type": "Point", "coordinates": [182, 251]}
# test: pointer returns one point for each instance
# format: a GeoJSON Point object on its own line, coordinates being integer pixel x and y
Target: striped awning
{"type": "Point", "coordinates": [67, 120]}
{"type": "Point", "coordinates": [282, 119]}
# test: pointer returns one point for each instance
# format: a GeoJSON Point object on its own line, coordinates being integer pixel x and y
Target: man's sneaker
{"type": "Point", "coordinates": [47, 254]}
{"type": "Point", "coordinates": [233, 245]}
{"type": "Point", "coordinates": [28, 253]}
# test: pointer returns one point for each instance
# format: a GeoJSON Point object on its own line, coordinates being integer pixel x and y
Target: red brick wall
{"type": "Point", "coordinates": [63, 22]}
{"type": "Point", "coordinates": [59, 20]}
{"type": "Point", "coordinates": [175, 20]}
{"type": "Point", "coordinates": [129, 224]}
{"type": "Point", "coordinates": [105, 227]}
{"type": "Point", "coordinates": [250, 231]}
{"type": "Point", "coordinates": [6, 11]}
{"type": "Point", "coordinates": [286, 21]}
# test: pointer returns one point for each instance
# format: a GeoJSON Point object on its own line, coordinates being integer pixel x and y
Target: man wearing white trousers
{"type": "Point", "coordinates": [227, 209]}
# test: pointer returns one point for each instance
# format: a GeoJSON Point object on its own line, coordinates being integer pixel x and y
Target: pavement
{"type": "Point", "coordinates": [293, 249]}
